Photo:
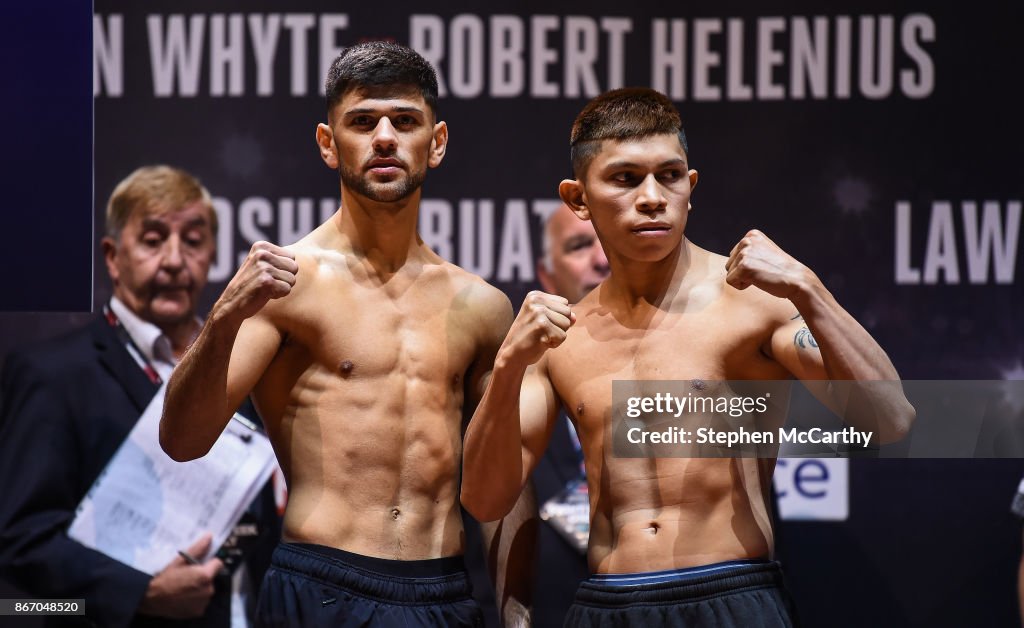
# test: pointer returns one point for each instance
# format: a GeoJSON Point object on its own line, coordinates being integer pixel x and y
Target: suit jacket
{"type": "Point", "coordinates": [559, 567]}
{"type": "Point", "coordinates": [67, 405]}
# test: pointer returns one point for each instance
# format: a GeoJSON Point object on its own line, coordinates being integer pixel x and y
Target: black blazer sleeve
{"type": "Point", "coordinates": [50, 452]}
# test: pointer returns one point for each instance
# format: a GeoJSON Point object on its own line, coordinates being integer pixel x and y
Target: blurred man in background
{"type": "Point", "coordinates": [69, 403]}
{"type": "Point", "coordinates": [574, 262]}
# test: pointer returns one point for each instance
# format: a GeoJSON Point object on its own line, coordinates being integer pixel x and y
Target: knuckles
{"type": "Point", "coordinates": [753, 237]}
{"type": "Point", "coordinates": [263, 251]}
{"type": "Point", "coordinates": [534, 300]}
{"type": "Point", "coordinates": [543, 299]}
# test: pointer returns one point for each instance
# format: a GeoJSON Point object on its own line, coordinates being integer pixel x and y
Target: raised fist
{"type": "Point", "coordinates": [268, 272]}
{"type": "Point", "coordinates": [542, 324]}
{"type": "Point", "coordinates": [757, 261]}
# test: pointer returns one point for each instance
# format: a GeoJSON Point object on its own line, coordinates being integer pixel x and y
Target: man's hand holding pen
{"type": "Point", "coordinates": [184, 588]}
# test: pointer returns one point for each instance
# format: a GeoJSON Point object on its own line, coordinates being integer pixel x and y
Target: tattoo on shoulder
{"type": "Point", "coordinates": [804, 339]}
{"type": "Point", "coordinates": [798, 317]}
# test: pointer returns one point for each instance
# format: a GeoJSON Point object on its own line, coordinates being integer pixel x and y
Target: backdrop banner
{"type": "Point", "coordinates": [877, 142]}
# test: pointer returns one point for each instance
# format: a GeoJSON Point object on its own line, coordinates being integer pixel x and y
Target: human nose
{"type": "Point", "coordinates": [385, 139]}
{"type": "Point", "coordinates": [172, 258]}
{"type": "Point", "coordinates": [650, 197]}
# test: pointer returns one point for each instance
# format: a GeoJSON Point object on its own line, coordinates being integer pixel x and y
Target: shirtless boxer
{"type": "Point", "coordinates": [673, 541]}
{"type": "Point", "coordinates": [357, 343]}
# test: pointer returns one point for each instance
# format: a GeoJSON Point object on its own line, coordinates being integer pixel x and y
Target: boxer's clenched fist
{"type": "Point", "coordinates": [268, 272]}
{"type": "Point", "coordinates": [757, 261]}
{"type": "Point", "coordinates": [542, 324]}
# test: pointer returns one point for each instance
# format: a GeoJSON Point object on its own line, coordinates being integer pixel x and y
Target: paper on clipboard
{"type": "Point", "coordinates": [144, 506]}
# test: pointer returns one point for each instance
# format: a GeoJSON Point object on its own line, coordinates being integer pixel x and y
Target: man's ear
{"type": "Point", "coordinates": [438, 144]}
{"type": "Point", "coordinates": [693, 183]}
{"type": "Point", "coordinates": [575, 197]}
{"type": "Point", "coordinates": [325, 142]}
{"type": "Point", "coordinates": [110, 257]}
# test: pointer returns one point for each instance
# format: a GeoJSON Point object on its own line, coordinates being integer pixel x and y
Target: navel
{"type": "Point", "coordinates": [653, 528]}
{"type": "Point", "coordinates": [395, 513]}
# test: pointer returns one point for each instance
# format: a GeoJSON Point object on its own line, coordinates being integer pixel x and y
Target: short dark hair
{"type": "Point", "coordinates": [626, 113]}
{"type": "Point", "coordinates": [382, 67]}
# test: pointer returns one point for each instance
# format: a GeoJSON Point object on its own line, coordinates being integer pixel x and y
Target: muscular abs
{"type": "Point", "coordinates": [363, 403]}
{"type": "Point", "coordinates": [655, 514]}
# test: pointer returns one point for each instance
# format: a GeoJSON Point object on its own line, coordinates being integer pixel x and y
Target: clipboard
{"type": "Point", "coordinates": [144, 506]}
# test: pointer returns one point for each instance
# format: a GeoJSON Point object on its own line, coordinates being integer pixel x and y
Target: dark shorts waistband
{"type": "Point", "coordinates": [692, 584]}
{"type": "Point", "coordinates": [428, 568]}
{"type": "Point", "coordinates": [435, 580]}
{"type": "Point", "coordinates": [685, 574]}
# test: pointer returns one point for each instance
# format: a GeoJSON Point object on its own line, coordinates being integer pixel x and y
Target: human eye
{"type": "Point", "coordinates": [671, 177]}
{"type": "Point", "coordinates": [362, 120]}
{"type": "Point", "coordinates": [578, 244]}
{"type": "Point", "coordinates": [194, 240]}
{"type": "Point", "coordinates": [405, 121]}
{"type": "Point", "coordinates": [623, 177]}
{"type": "Point", "coordinates": [152, 239]}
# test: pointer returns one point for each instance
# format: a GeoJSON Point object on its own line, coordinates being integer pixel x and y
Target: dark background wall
{"type": "Point", "coordinates": [892, 168]}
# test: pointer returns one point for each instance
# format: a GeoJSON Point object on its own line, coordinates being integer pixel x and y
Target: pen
{"type": "Point", "coordinates": [246, 437]}
{"type": "Point", "coordinates": [189, 558]}
{"type": "Point", "coordinates": [246, 422]}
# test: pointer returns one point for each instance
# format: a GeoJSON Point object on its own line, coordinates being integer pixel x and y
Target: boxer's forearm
{"type": "Point", "coordinates": [197, 408]}
{"type": "Point", "coordinates": [849, 353]}
{"type": "Point", "coordinates": [492, 461]}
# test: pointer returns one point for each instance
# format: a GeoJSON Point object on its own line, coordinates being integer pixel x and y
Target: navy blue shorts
{"type": "Point", "coordinates": [313, 585]}
{"type": "Point", "coordinates": [747, 594]}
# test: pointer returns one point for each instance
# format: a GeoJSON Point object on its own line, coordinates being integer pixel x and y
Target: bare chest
{"type": "Point", "coordinates": [705, 347]}
{"type": "Point", "coordinates": [366, 332]}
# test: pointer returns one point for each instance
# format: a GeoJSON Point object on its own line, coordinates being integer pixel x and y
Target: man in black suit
{"type": "Point", "coordinates": [572, 265]}
{"type": "Point", "coordinates": [68, 404]}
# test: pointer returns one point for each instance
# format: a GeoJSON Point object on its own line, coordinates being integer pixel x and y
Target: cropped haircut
{"type": "Point", "coordinates": [155, 187]}
{"type": "Point", "coordinates": [621, 114]}
{"type": "Point", "coordinates": [380, 67]}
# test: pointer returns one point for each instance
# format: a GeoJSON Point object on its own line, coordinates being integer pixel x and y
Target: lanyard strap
{"type": "Point", "coordinates": [130, 346]}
